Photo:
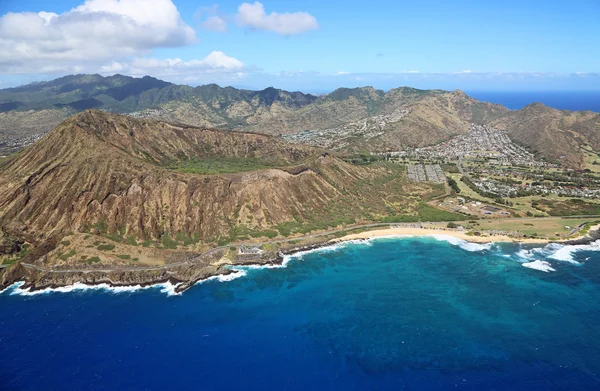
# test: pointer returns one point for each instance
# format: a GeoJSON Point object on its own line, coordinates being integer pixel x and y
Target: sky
{"type": "Point", "coordinates": [309, 45]}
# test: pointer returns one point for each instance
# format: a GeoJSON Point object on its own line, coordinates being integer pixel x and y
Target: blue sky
{"type": "Point", "coordinates": [309, 45]}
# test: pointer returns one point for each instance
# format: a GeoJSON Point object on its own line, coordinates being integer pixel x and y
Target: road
{"type": "Point", "coordinates": [208, 252]}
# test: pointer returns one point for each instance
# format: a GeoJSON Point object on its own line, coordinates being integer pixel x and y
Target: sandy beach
{"type": "Point", "coordinates": [430, 232]}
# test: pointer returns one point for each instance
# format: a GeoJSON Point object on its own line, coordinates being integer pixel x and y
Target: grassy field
{"type": "Point", "coordinates": [547, 227]}
{"type": "Point", "coordinates": [220, 166]}
{"type": "Point", "coordinates": [466, 191]}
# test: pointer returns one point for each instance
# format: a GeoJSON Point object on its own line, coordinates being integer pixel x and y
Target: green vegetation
{"type": "Point", "coordinates": [169, 243]}
{"type": "Point", "coordinates": [572, 207]}
{"type": "Point", "coordinates": [451, 168]}
{"type": "Point", "coordinates": [547, 227]}
{"type": "Point", "coordinates": [363, 158]}
{"type": "Point", "coordinates": [101, 226]}
{"type": "Point", "coordinates": [430, 213]}
{"type": "Point", "coordinates": [106, 247]}
{"type": "Point", "coordinates": [124, 256]}
{"type": "Point", "coordinates": [91, 260]}
{"type": "Point", "coordinates": [221, 165]}
{"type": "Point", "coordinates": [453, 185]}
{"type": "Point", "coordinates": [115, 237]}
{"type": "Point", "coordinates": [187, 240]}
{"type": "Point", "coordinates": [65, 243]}
{"type": "Point", "coordinates": [425, 212]}
{"type": "Point", "coordinates": [68, 255]}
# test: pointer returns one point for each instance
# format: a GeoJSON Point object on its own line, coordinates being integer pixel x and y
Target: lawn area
{"type": "Point", "coordinates": [221, 165]}
{"type": "Point", "coordinates": [466, 191]}
{"type": "Point", "coordinates": [546, 227]}
{"type": "Point", "coordinates": [430, 213]}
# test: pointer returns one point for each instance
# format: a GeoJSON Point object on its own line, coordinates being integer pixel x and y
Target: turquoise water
{"type": "Point", "coordinates": [411, 313]}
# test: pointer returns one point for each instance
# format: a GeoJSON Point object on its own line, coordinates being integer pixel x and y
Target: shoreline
{"type": "Point", "coordinates": [592, 235]}
{"type": "Point", "coordinates": [235, 270]}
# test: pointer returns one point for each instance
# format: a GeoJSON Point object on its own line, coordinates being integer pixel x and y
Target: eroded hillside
{"type": "Point", "coordinates": [109, 174]}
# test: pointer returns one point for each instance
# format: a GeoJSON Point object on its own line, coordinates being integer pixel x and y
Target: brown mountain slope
{"type": "Point", "coordinates": [433, 114]}
{"type": "Point", "coordinates": [430, 119]}
{"type": "Point", "coordinates": [555, 134]}
{"type": "Point", "coordinates": [106, 173]}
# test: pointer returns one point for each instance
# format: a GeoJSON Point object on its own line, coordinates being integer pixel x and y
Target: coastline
{"type": "Point", "coordinates": [462, 235]}
{"type": "Point", "coordinates": [175, 286]}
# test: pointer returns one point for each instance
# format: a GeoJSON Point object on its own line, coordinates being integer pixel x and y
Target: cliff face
{"type": "Point", "coordinates": [107, 173]}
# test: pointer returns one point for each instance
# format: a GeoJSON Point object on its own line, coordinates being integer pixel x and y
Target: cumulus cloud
{"type": "Point", "coordinates": [95, 32]}
{"type": "Point", "coordinates": [216, 64]}
{"type": "Point", "coordinates": [254, 17]}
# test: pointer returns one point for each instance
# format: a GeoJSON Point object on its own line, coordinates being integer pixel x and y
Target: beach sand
{"type": "Point", "coordinates": [430, 232]}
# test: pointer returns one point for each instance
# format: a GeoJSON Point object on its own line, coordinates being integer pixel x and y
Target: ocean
{"type": "Point", "coordinates": [413, 313]}
{"type": "Point", "coordinates": [562, 100]}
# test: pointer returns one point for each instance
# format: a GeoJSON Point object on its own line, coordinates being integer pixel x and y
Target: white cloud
{"type": "Point", "coordinates": [176, 68]}
{"type": "Point", "coordinates": [254, 16]}
{"type": "Point", "coordinates": [89, 35]}
{"type": "Point", "coordinates": [215, 23]}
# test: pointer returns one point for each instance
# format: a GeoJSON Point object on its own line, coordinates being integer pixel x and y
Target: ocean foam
{"type": "Point", "coordinates": [11, 287]}
{"type": "Point", "coordinates": [558, 252]}
{"type": "Point", "coordinates": [468, 246]}
{"type": "Point", "coordinates": [225, 277]}
{"type": "Point", "coordinates": [543, 266]}
{"type": "Point", "coordinates": [166, 287]}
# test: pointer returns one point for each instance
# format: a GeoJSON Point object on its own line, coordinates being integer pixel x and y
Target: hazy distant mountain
{"type": "Point", "coordinates": [348, 119]}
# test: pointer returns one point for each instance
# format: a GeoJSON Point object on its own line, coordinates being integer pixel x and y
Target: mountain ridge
{"type": "Point", "coordinates": [399, 118]}
{"type": "Point", "coordinates": [105, 173]}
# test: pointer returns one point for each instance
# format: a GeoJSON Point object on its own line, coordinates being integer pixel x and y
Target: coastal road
{"type": "Point", "coordinates": [195, 259]}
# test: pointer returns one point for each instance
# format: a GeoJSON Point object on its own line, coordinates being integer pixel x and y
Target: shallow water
{"type": "Point", "coordinates": [410, 313]}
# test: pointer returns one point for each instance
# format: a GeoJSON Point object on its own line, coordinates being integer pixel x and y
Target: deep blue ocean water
{"type": "Point", "coordinates": [562, 100]}
{"type": "Point", "coordinates": [389, 314]}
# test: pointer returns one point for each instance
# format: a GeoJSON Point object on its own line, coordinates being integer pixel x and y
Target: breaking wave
{"type": "Point", "coordinates": [224, 277]}
{"type": "Point", "coordinates": [558, 252]}
{"type": "Point", "coordinates": [543, 266]}
{"type": "Point", "coordinates": [468, 246]}
{"type": "Point", "coordinates": [166, 287]}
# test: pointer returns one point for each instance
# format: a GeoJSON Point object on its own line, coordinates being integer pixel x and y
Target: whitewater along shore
{"type": "Point", "coordinates": [592, 235]}
{"type": "Point", "coordinates": [211, 265]}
